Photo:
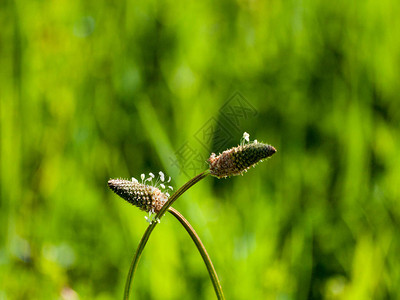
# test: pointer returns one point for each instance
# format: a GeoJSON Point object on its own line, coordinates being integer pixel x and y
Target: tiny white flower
{"type": "Point", "coordinates": [148, 218]}
{"type": "Point", "coordinates": [151, 218]}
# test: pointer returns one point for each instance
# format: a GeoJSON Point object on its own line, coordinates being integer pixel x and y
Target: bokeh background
{"type": "Point", "coordinates": [92, 90]}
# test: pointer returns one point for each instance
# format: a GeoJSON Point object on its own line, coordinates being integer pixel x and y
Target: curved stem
{"type": "Point", "coordinates": [202, 250]}
{"type": "Point", "coordinates": [151, 227]}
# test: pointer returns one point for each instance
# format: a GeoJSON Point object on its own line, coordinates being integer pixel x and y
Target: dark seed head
{"type": "Point", "coordinates": [146, 197]}
{"type": "Point", "coordinates": [239, 159]}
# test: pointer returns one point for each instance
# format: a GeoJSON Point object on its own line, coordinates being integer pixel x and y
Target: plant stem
{"type": "Point", "coordinates": [151, 227]}
{"type": "Point", "coordinates": [202, 250]}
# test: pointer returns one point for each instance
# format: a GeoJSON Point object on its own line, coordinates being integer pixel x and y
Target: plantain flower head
{"type": "Point", "coordinates": [237, 160]}
{"type": "Point", "coordinates": [145, 194]}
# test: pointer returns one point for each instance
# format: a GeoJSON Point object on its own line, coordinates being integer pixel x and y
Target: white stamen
{"type": "Point", "coordinates": [171, 188]}
{"type": "Point", "coordinates": [169, 179]}
{"type": "Point", "coordinates": [142, 176]}
{"type": "Point", "coordinates": [151, 175]}
{"type": "Point", "coordinates": [255, 141]}
{"type": "Point", "coordinates": [162, 185]}
{"type": "Point", "coordinates": [161, 176]}
{"type": "Point", "coordinates": [246, 137]}
{"type": "Point", "coordinates": [134, 180]}
{"type": "Point", "coordinates": [167, 194]}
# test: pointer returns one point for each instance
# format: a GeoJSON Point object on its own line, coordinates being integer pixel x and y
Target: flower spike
{"type": "Point", "coordinates": [146, 197]}
{"type": "Point", "coordinates": [238, 160]}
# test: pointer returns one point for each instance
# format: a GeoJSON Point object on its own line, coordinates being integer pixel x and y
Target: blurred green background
{"type": "Point", "coordinates": [94, 90]}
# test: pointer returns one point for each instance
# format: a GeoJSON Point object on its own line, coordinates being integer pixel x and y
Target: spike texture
{"type": "Point", "coordinates": [239, 159]}
{"type": "Point", "coordinates": [146, 197]}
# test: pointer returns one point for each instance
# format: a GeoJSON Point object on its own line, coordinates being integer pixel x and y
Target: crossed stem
{"type": "Point", "coordinates": [189, 229]}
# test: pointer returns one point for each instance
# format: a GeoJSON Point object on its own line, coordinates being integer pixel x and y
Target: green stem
{"type": "Point", "coordinates": [202, 250]}
{"type": "Point", "coordinates": [151, 227]}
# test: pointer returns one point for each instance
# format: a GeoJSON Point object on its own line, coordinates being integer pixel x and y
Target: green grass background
{"type": "Point", "coordinates": [92, 90]}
